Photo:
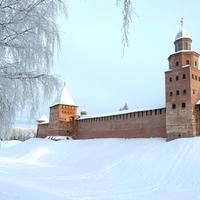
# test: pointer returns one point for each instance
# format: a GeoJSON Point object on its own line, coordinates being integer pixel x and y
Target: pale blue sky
{"type": "Point", "coordinates": [91, 61]}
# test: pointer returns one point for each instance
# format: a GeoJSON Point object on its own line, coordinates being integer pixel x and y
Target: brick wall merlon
{"type": "Point", "coordinates": [127, 115]}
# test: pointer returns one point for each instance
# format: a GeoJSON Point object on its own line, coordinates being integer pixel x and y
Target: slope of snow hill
{"type": "Point", "coordinates": [102, 169]}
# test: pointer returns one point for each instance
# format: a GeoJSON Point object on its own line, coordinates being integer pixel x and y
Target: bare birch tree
{"type": "Point", "coordinates": [28, 38]}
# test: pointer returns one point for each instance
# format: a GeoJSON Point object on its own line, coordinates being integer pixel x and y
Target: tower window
{"type": "Point", "coordinates": [184, 92]}
{"type": "Point", "coordinates": [184, 76]}
{"type": "Point", "coordinates": [171, 94]}
{"type": "Point", "coordinates": [177, 92]}
{"type": "Point", "coordinates": [183, 105]}
{"type": "Point", "coordinates": [199, 78]}
{"type": "Point", "coordinates": [187, 62]}
{"type": "Point", "coordinates": [179, 46]}
{"type": "Point", "coordinates": [195, 77]}
{"type": "Point", "coordinates": [177, 63]}
{"type": "Point", "coordinates": [186, 45]}
{"type": "Point", "coordinates": [177, 78]}
{"type": "Point", "coordinates": [173, 106]}
{"type": "Point", "coordinates": [170, 79]}
{"type": "Point", "coordinates": [196, 63]}
{"type": "Point", "coordinates": [193, 91]}
{"type": "Point", "coordinates": [192, 76]}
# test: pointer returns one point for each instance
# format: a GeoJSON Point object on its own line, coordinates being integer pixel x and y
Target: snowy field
{"type": "Point", "coordinates": [7, 144]}
{"type": "Point", "coordinates": [105, 169]}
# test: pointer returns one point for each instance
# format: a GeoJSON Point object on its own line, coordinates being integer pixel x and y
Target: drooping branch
{"type": "Point", "coordinates": [127, 11]}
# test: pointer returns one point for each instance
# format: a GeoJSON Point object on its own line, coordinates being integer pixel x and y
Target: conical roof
{"type": "Point", "coordinates": [64, 98]}
{"type": "Point", "coordinates": [183, 33]}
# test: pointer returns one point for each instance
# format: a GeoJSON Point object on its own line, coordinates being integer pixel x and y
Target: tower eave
{"type": "Point", "coordinates": [182, 38]}
{"type": "Point", "coordinates": [63, 104]}
{"type": "Point", "coordinates": [184, 52]}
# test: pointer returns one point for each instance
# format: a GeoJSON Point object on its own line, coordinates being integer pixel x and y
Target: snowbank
{"type": "Point", "coordinates": [104, 169]}
{"type": "Point", "coordinates": [9, 143]}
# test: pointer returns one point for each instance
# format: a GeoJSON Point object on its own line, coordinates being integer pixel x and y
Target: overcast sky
{"type": "Point", "coordinates": [90, 61]}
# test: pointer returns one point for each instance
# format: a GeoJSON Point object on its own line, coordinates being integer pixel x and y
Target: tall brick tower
{"type": "Point", "coordinates": [63, 114]}
{"type": "Point", "coordinates": [182, 89]}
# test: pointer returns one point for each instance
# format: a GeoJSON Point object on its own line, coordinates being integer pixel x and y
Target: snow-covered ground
{"type": "Point", "coordinates": [9, 143]}
{"type": "Point", "coordinates": [104, 169]}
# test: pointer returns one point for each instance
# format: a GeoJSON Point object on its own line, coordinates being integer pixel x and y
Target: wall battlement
{"type": "Point", "coordinates": [128, 125]}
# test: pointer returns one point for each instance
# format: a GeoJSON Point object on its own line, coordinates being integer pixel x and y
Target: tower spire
{"type": "Point", "coordinates": [182, 22]}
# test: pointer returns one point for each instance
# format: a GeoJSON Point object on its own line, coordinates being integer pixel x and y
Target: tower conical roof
{"type": "Point", "coordinates": [64, 98]}
{"type": "Point", "coordinates": [183, 33]}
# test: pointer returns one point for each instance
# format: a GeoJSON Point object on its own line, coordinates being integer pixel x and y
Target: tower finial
{"type": "Point", "coordinates": [182, 22]}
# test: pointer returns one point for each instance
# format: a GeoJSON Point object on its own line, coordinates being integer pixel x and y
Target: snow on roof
{"type": "Point", "coordinates": [64, 98]}
{"type": "Point", "coordinates": [182, 34]}
{"type": "Point", "coordinates": [183, 51]}
{"type": "Point", "coordinates": [122, 112]}
{"type": "Point", "coordinates": [43, 120]}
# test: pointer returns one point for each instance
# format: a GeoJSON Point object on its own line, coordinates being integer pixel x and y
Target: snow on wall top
{"type": "Point", "coordinates": [122, 112]}
{"type": "Point", "coordinates": [64, 98]}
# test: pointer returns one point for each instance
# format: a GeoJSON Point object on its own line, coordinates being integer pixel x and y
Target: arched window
{"type": "Point", "coordinates": [187, 62]}
{"type": "Point", "coordinates": [177, 63]}
{"type": "Point", "coordinates": [171, 94]}
{"type": "Point", "coordinates": [177, 78]}
{"type": "Point", "coordinates": [177, 92]}
{"type": "Point", "coordinates": [173, 106]}
{"type": "Point", "coordinates": [184, 76]}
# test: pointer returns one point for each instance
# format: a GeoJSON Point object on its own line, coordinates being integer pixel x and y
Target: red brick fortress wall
{"type": "Point", "coordinates": [143, 124]}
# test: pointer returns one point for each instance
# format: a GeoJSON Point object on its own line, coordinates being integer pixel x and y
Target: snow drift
{"type": "Point", "coordinates": [103, 169]}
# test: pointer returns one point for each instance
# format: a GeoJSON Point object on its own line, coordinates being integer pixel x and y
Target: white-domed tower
{"type": "Point", "coordinates": [83, 113]}
{"type": "Point", "coordinates": [182, 89]}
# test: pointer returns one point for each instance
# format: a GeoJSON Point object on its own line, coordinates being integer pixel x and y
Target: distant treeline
{"type": "Point", "coordinates": [19, 134]}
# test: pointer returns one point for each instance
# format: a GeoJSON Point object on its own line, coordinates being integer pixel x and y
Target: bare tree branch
{"type": "Point", "coordinates": [127, 11]}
